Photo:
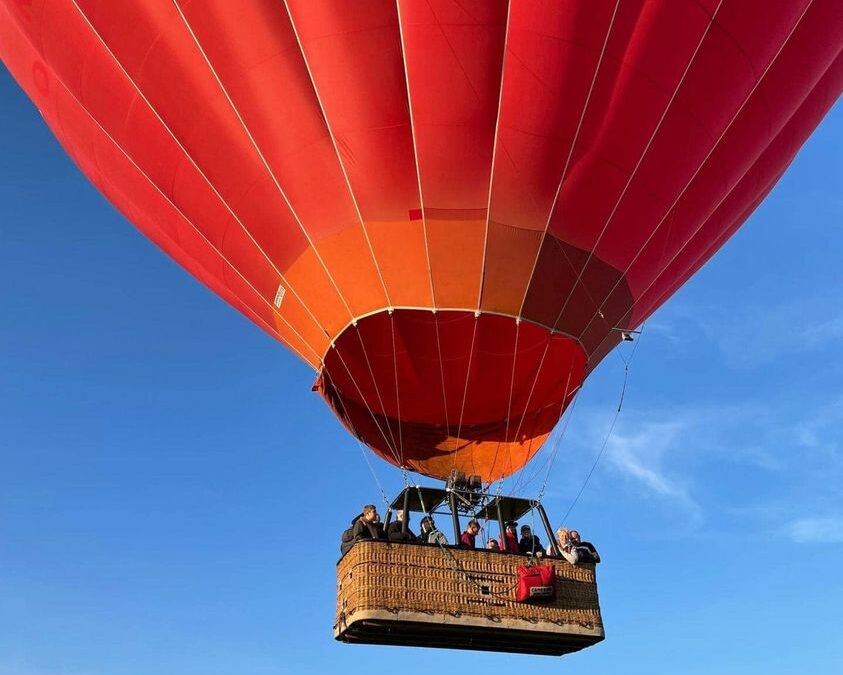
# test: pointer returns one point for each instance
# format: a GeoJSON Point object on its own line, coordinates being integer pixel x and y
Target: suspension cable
{"type": "Point", "coordinates": [465, 395]}
{"type": "Point", "coordinates": [608, 434]}
{"type": "Point", "coordinates": [397, 396]}
{"type": "Point", "coordinates": [365, 453]}
{"type": "Point", "coordinates": [550, 458]}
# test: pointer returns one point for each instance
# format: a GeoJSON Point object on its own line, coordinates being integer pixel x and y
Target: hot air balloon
{"type": "Point", "coordinates": [451, 210]}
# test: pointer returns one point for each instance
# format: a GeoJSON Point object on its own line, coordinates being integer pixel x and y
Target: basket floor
{"type": "Point", "coordinates": [453, 636]}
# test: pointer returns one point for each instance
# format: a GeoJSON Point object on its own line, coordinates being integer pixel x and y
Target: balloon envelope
{"type": "Point", "coordinates": [448, 209]}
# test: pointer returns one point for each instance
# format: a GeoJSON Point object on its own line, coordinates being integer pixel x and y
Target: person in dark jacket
{"type": "Point", "coordinates": [586, 553]}
{"type": "Point", "coordinates": [509, 542]}
{"type": "Point", "coordinates": [429, 533]}
{"type": "Point", "coordinates": [348, 536]}
{"type": "Point", "coordinates": [368, 526]}
{"type": "Point", "coordinates": [529, 543]}
{"type": "Point", "coordinates": [395, 530]}
{"type": "Point", "coordinates": [471, 532]}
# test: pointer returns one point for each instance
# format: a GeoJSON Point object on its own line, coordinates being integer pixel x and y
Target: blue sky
{"type": "Point", "coordinates": [171, 492]}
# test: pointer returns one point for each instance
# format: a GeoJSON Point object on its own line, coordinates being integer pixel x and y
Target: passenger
{"type": "Point", "coordinates": [348, 535]}
{"type": "Point", "coordinates": [395, 531]}
{"type": "Point", "coordinates": [566, 550]}
{"type": "Point", "coordinates": [529, 544]}
{"type": "Point", "coordinates": [368, 525]}
{"type": "Point", "coordinates": [379, 527]}
{"type": "Point", "coordinates": [471, 531]}
{"type": "Point", "coordinates": [509, 542]}
{"type": "Point", "coordinates": [492, 545]}
{"type": "Point", "coordinates": [585, 549]}
{"type": "Point", "coordinates": [429, 533]}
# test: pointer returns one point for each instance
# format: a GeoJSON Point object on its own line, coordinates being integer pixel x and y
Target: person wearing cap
{"type": "Point", "coordinates": [529, 544]}
{"type": "Point", "coordinates": [429, 533]}
{"type": "Point", "coordinates": [509, 542]}
{"type": "Point", "coordinates": [492, 545]}
{"type": "Point", "coordinates": [471, 531]}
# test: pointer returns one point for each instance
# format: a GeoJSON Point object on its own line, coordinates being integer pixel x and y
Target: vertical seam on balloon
{"type": "Point", "coordinates": [693, 177]}
{"type": "Point", "coordinates": [641, 159]}
{"type": "Point", "coordinates": [196, 166]}
{"type": "Point", "coordinates": [261, 156]}
{"type": "Point", "coordinates": [421, 205]}
{"type": "Point", "coordinates": [494, 155]}
{"type": "Point", "coordinates": [353, 199]}
{"type": "Point", "coordinates": [198, 231]}
{"type": "Point", "coordinates": [623, 192]}
{"type": "Point", "coordinates": [284, 195]}
{"type": "Point", "coordinates": [567, 164]}
{"type": "Point", "coordinates": [702, 256]}
{"type": "Point", "coordinates": [220, 196]}
{"type": "Point", "coordinates": [416, 154]}
{"type": "Point", "coordinates": [337, 151]}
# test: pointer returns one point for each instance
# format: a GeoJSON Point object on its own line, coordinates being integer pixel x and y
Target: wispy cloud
{"type": "Point", "coordinates": [828, 530]}
{"type": "Point", "coordinates": [642, 452]}
{"type": "Point", "coordinates": [640, 455]}
{"type": "Point", "coordinates": [746, 462]}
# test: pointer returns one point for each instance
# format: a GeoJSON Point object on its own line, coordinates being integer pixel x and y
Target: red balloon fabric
{"type": "Point", "coordinates": [449, 209]}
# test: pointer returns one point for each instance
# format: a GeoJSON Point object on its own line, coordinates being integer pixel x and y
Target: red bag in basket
{"type": "Point", "coordinates": [536, 583]}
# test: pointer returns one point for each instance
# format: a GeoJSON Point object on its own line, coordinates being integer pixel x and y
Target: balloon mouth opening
{"type": "Point", "coordinates": [434, 392]}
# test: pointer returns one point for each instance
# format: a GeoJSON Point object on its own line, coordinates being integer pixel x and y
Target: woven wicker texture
{"type": "Point", "coordinates": [458, 582]}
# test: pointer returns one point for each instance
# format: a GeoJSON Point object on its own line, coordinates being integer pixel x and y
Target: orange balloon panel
{"type": "Point", "coordinates": [538, 172]}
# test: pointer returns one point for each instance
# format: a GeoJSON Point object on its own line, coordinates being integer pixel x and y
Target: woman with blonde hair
{"type": "Point", "coordinates": [566, 550]}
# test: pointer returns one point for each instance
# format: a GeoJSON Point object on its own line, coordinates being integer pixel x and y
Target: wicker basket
{"type": "Point", "coordinates": [416, 595]}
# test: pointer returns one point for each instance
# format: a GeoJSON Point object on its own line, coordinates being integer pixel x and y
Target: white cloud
{"type": "Point", "coordinates": [817, 530]}
{"type": "Point", "coordinates": [640, 454]}
{"type": "Point", "coordinates": [747, 462]}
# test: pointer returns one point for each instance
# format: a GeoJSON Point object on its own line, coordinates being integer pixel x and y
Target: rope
{"type": "Point", "coordinates": [441, 373]}
{"type": "Point", "coordinates": [602, 450]}
{"type": "Point", "coordinates": [508, 409]}
{"type": "Point", "coordinates": [391, 448]}
{"type": "Point", "coordinates": [363, 451]}
{"type": "Point", "coordinates": [609, 434]}
{"type": "Point", "coordinates": [397, 397]}
{"type": "Point", "coordinates": [378, 394]}
{"type": "Point", "coordinates": [551, 458]}
{"type": "Point", "coordinates": [465, 395]}
{"type": "Point", "coordinates": [519, 475]}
